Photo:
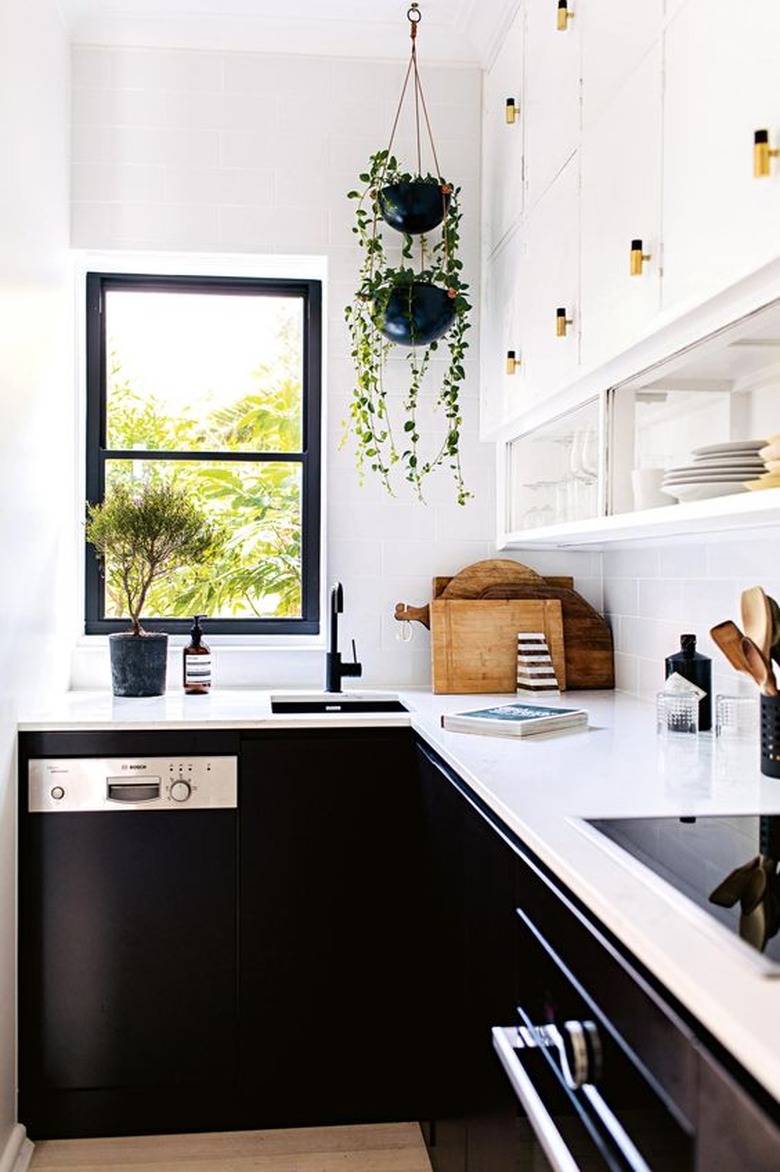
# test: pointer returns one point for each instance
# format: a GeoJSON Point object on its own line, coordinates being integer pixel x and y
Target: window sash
{"type": "Point", "coordinates": [98, 455]}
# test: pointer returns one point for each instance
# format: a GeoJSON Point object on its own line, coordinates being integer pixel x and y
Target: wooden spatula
{"type": "Point", "coordinates": [728, 637]}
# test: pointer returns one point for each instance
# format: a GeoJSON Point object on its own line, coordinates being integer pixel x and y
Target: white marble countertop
{"type": "Point", "coordinates": [542, 788]}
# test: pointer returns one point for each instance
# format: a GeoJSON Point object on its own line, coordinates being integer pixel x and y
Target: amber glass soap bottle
{"type": "Point", "coordinates": [197, 661]}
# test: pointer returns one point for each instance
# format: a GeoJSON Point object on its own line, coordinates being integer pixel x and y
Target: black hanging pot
{"type": "Point", "coordinates": [413, 207]}
{"type": "Point", "coordinates": [417, 314]}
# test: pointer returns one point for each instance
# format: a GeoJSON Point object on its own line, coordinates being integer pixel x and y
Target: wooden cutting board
{"type": "Point", "coordinates": [586, 634]}
{"type": "Point", "coordinates": [471, 581]}
{"type": "Point", "coordinates": [474, 641]}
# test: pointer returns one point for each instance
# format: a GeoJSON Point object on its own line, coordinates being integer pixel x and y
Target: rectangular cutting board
{"type": "Point", "coordinates": [474, 641]}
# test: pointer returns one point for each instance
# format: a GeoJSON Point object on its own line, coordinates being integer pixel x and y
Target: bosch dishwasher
{"type": "Point", "coordinates": [128, 944]}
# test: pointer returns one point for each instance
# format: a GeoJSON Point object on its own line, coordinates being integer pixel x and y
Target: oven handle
{"type": "Point", "coordinates": [547, 1133]}
{"type": "Point", "coordinates": [505, 1039]}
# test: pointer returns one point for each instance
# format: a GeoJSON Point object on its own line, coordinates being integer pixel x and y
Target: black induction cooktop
{"type": "Point", "coordinates": [725, 864]}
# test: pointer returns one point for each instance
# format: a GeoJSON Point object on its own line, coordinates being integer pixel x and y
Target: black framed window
{"type": "Point", "coordinates": [213, 383]}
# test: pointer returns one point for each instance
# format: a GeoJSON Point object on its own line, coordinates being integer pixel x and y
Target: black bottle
{"type": "Point", "coordinates": [697, 668]}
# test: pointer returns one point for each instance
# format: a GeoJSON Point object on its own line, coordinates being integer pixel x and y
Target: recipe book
{"type": "Point", "coordinates": [515, 720]}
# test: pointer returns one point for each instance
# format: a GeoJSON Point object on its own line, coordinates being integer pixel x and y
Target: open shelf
{"type": "Point", "coordinates": [695, 519]}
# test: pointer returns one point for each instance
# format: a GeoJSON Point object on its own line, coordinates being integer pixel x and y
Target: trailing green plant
{"type": "Point", "coordinates": [380, 445]}
{"type": "Point", "coordinates": [144, 533]}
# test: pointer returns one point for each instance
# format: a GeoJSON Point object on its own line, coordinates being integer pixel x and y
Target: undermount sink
{"type": "Point", "coordinates": [336, 702]}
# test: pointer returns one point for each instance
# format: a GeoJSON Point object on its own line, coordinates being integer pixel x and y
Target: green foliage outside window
{"type": "Point", "coordinates": [257, 503]}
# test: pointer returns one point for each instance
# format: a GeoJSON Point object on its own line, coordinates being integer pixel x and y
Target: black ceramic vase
{"type": "Point", "coordinates": [414, 207]}
{"type": "Point", "coordinates": [138, 663]}
{"type": "Point", "coordinates": [417, 314]}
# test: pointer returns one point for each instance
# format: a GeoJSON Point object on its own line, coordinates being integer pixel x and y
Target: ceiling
{"type": "Point", "coordinates": [452, 31]}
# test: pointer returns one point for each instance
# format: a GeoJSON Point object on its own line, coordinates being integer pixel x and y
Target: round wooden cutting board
{"type": "Point", "coordinates": [475, 579]}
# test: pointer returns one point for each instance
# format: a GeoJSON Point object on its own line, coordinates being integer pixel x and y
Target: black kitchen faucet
{"type": "Point", "coordinates": [335, 670]}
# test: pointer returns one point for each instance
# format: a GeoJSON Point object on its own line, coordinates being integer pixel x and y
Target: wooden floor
{"type": "Point", "coordinates": [385, 1147]}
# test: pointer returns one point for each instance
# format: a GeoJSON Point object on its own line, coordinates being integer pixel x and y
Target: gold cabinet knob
{"type": "Point", "coordinates": [511, 111]}
{"type": "Point", "coordinates": [562, 322]}
{"type": "Point", "coordinates": [762, 154]}
{"type": "Point", "coordinates": [564, 15]}
{"type": "Point", "coordinates": [637, 258]}
{"type": "Point", "coordinates": [512, 361]}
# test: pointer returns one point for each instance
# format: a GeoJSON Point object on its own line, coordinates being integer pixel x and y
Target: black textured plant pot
{"type": "Point", "coordinates": [414, 207]}
{"type": "Point", "coordinates": [138, 663]}
{"type": "Point", "coordinates": [417, 314]}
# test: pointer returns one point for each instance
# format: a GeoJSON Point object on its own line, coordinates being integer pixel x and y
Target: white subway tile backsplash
{"type": "Point", "coordinates": [621, 596]}
{"type": "Point", "coordinates": [255, 153]}
{"type": "Point", "coordinates": [164, 69]}
{"type": "Point", "coordinates": [101, 181]}
{"type": "Point", "coordinates": [660, 597]}
{"type": "Point", "coordinates": [300, 79]}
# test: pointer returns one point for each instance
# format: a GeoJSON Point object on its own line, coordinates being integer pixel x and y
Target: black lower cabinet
{"type": "Point", "coordinates": [557, 1049]}
{"type": "Point", "coordinates": [333, 916]}
{"type": "Point", "coordinates": [473, 959]}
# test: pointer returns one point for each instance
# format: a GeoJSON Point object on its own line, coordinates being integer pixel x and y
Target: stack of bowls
{"type": "Point", "coordinates": [716, 470]}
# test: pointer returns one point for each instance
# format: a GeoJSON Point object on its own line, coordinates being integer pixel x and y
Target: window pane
{"type": "Point", "coordinates": [203, 371]}
{"type": "Point", "coordinates": [259, 574]}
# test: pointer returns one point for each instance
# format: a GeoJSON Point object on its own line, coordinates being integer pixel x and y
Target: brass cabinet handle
{"type": "Point", "coordinates": [562, 322]}
{"type": "Point", "coordinates": [637, 258]}
{"type": "Point", "coordinates": [511, 110]}
{"type": "Point", "coordinates": [762, 154]}
{"type": "Point", "coordinates": [512, 361]}
{"type": "Point", "coordinates": [564, 15]}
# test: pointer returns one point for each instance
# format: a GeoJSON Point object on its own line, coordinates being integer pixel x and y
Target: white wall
{"type": "Point", "coordinates": [37, 482]}
{"type": "Point", "coordinates": [246, 154]}
{"type": "Point", "coordinates": [654, 595]}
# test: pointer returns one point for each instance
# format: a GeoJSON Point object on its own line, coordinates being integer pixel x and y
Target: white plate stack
{"type": "Point", "coordinates": [716, 470]}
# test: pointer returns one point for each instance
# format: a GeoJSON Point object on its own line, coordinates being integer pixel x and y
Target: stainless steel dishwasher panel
{"type": "Point", "coordinates": [128, 891]}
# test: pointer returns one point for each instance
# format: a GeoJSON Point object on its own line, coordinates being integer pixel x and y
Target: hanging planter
{"type": "Point", "coordinates": [419, 205]}
{"type": "Point", "coordinates": [410, 295]}
{"type": "Point", "coordinates": [417, 314]}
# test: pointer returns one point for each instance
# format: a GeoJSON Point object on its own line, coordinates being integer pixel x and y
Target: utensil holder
{"type": "Point", "coordinates": [770, 736]}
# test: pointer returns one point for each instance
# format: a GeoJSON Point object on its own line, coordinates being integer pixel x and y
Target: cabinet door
{"type": "Point", "coordinates": [474, 959]}
{"type": "Point", "coordinates": [502, 139]}
{"type": "Point", "coordinates": [548, 275]}
{"type": "Point", "coordinates": [720, 223]}
{"type": "Point", "coordinates": [615, 38]}
{"type": "Point", "coordinates": [332, 911]}
{"type": "Point", "coordinates": [502, 394]}
{"type": "Point", "coordinates": [552, 95]}
{"type": "Point", "coordinates": [621, 202]}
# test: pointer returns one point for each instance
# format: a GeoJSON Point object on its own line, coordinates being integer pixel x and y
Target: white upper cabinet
{"type": "Point", "coordinates": [502, 384]}
{"type": "Point", "coordinates": [552, 93]}
{"type": "Point", "coordinates": [616, 35]}
{"type": "Point", "coordinates": [722, 85]}
{"type": "Point", "coordinates": [621, 204]}
{"type": "Point", "coordinates": [549, 294]}
{"type": "Point", "coordinates": [530, 310]}
{"type": "Point", "coordinates": [503, 122]}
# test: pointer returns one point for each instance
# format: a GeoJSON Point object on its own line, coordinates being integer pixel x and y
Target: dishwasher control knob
{"type": "Point", "coordinates": [181, 790]}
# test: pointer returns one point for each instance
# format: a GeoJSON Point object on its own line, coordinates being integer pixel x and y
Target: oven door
{"type": "Point", "coordinates": [591, 1101]}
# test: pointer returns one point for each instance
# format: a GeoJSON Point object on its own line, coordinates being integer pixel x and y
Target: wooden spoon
{"type": "Point", "coordinates": [757, 618]}
{"type": "Point", "coordinates": [729, 638]}
{"type": "Point", "coordinates": [759, 667]}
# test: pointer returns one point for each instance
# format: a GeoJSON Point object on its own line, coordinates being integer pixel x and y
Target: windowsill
{"type": "Point", "coordinates": [248, 662]}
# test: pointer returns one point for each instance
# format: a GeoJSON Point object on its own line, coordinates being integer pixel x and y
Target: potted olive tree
{"type": "Point", "coordinates": [410, 294]}
{"type": "Point", "coordinates": [141, 534]}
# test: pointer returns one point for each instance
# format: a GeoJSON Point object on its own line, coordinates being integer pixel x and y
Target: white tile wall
{"type": "Point", "coordinates": [246, 153]}
{"type": "Point", "coordinates": [652, 596]}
